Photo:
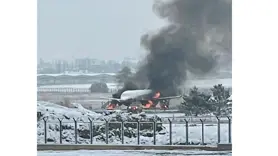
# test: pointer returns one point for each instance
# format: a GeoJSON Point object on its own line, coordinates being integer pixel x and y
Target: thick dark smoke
{"type": "Point", "coordinates": [198, 31]}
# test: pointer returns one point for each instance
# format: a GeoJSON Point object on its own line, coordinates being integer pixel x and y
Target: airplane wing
{"type": "Point", "coordinates": [110, 98]}
{"type": "Point", "coordinates": [169, 97]}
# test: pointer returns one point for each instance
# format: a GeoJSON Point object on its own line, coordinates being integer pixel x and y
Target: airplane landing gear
{"type": "Point", "coordinates": [134, 108]}
{"type": "Point", "coordinates": [164, 104]}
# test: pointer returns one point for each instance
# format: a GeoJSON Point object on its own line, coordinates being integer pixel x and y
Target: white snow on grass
{"type": "Point", "coordinates": [133, 153]}
{"type": "Point", "coordinates": [169, 115]}
{"type": "Point", "coordinates": [53, 111]}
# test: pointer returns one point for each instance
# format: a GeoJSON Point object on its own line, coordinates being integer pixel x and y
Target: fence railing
{"type": "Point", "coordinates": [196, 120]}
{"type": "Point", "coordinates": [180, 129]}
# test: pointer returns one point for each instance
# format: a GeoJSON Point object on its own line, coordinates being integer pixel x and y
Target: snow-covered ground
{"type": "Point", "coordinates": [53, 111]}
{"type": "Point", "coordinates": [190, 83]}
{"type": "Point", "coordinates": [133, 153]}
{"type": "Point", "coordinates": [169, 115]}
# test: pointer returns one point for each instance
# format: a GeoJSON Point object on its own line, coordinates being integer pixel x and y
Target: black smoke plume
{"type": "Point", "coordinates": [197, 32]}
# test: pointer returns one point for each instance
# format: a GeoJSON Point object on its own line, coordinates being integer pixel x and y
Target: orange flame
{"type": "Point", "coordinates": [149, 104]}
{"type": "Point", "coordinates": [111, 106]}
{"type": "Point", "coordinates": [157, 95]}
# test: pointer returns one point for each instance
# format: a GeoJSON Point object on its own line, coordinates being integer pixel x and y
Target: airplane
{"type": "Point", "coordinates": [148, 98]}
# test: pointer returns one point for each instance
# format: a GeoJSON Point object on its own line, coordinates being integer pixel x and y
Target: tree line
{"type": "Point", "coordinates": [217, 102]}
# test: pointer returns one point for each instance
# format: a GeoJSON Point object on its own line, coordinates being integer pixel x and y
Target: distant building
{"type": "Point", "coordinates": [85, 65]}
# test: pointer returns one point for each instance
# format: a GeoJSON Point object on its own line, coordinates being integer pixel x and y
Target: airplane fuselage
{"type": "Point", "coordinates": [148, 98]}
{"type": "Point", "coordinates": [135, 94]}
{"type": "Point", "coordinates": [145, 97]}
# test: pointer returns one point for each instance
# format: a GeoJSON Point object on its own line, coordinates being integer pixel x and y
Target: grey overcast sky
{"type": "Point", "coordinates": [102, 29]}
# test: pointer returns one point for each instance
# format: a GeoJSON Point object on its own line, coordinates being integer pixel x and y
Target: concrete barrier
{"type": "Point", "coordinates": [60, 147]}
{"type": "Point", "coordinates": [224, 146]}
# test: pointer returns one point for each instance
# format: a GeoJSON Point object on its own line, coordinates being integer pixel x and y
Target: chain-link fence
{"type": "Point", "coordinates": [178, 131]}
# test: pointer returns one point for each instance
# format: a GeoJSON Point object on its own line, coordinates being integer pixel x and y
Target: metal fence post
{"type": "Point", "coordinates": [122, 130]}
{"type": "Point", "coordinates": [75, 130]}
{"type": "Point", "coordinates": [203, 142]}
{"type": "Point", "coordinates": [154, 132]}
{"type": "Point", "coordinates": [106, 131]}
{"type": "Point", "coordinates": [229, 129]}
{"type": "Point", "coordinates": [91, 130]}
{"type": "Point", "coordinates": [186, 131]}
{"type": "Point", "coordinates": [170, 128]}
{"type": "Point", "coordinates": [138, 132]}
{"type": "Point", "coordinates": [60, 129]}
{"type": "Point", "coordinates": [218, 129]}
{"type": "Point", "coordinates": [45, 130]}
